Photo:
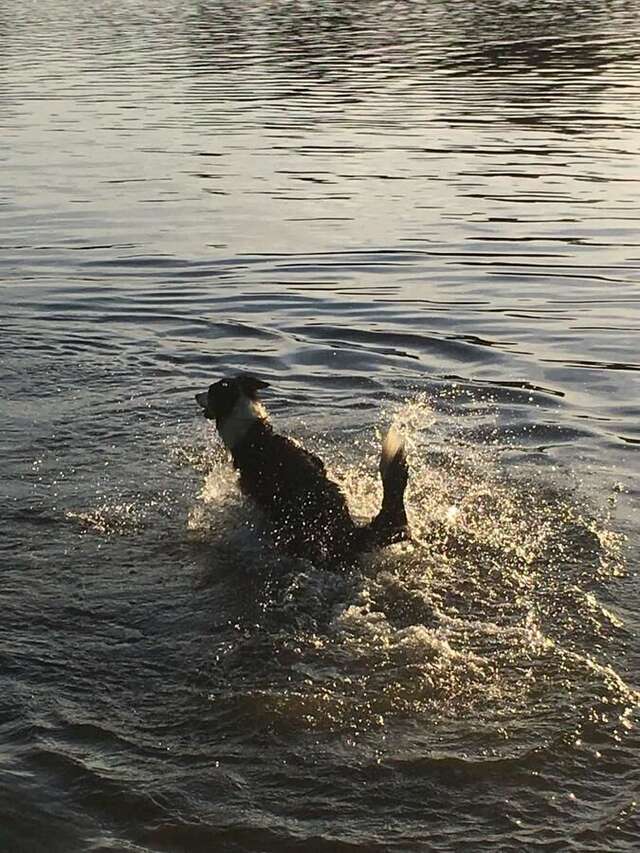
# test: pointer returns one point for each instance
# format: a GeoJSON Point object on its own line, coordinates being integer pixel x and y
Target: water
{"type": "Point", "coordinates": [420, 212]}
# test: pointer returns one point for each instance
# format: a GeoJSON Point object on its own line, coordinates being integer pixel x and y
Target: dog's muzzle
{"type": "Point", "coordinates": [203, 401]}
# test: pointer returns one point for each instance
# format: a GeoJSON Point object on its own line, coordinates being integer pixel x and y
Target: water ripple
{"type": "Point", "coordinates": [424, 212]}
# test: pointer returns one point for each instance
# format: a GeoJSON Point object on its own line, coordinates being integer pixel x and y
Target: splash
{"type": "Point", "coordinates": [491, 613]}
{"type": "Point", "coordinates": [119, 519]}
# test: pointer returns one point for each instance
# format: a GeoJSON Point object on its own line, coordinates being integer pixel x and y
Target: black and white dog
{"type": "Point", "coordinates": [307, 512]}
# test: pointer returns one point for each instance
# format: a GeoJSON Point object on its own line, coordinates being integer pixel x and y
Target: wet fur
{"type": "Point", "coordinates": [308, 513]}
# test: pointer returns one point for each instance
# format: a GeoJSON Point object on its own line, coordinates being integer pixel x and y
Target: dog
{"type": "Point", "coordinates": [307, 512]}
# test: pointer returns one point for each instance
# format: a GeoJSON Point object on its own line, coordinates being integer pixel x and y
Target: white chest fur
{"type": "Point", "coordinates": [245, 414]}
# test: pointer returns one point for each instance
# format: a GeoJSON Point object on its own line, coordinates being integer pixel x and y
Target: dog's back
{"type": "Point", "coordinates": [307, 510]}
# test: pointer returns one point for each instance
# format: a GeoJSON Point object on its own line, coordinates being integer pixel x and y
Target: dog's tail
{"type": "Point", "coordinates": [390, 524]}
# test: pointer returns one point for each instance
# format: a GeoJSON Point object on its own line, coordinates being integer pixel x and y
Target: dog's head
{"type": "Point", "coordinates": [233, 404]}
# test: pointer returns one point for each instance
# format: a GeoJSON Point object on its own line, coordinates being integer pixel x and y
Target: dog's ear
{"type": "Point", "coordinates": [251, 385]}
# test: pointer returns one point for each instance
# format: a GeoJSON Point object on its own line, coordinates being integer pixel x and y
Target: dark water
{"type": "Point", "coordinates": [423, 211]}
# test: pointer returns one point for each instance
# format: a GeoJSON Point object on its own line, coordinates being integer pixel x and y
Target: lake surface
{"type": "Point", "coordinates": [420, 212]}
